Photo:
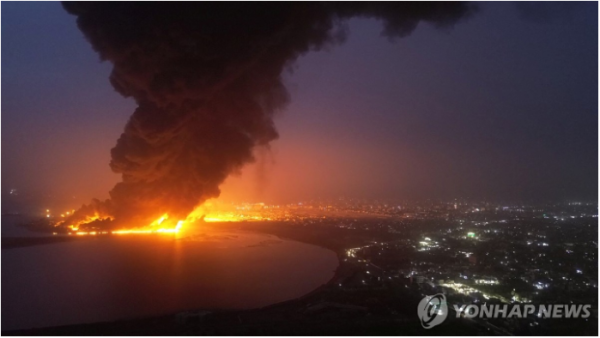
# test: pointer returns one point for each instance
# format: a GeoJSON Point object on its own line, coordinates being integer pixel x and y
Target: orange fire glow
{"type": "Point", "coordinates": [87, 219]}
{"type": "Point", "coordinates": [207, 212]}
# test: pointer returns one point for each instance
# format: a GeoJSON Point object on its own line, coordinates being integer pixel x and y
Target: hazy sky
{"type": "Point", "coordinates": [502, 106]}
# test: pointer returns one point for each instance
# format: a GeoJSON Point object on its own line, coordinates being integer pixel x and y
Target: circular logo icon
{"type": "Point", "coordinates": [432, 310]}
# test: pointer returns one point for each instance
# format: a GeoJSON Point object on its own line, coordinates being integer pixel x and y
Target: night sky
{"type": "Point", "coordinates": [503, 106]}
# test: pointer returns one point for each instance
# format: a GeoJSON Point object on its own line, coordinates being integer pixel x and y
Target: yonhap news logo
{"type": "Point", "coordinates": [433, 310]}
{"type": "Point", "coordinates": [523, 311]}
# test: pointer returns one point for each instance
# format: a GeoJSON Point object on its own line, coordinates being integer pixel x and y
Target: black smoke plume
{"type": "Point", "coordinates": [207, 81]}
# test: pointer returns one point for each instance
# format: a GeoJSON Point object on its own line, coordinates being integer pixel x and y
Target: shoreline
{"type": "Point", "coordinates": [21, 242]}
{"type": "Point", "coordinates": [330, 282]}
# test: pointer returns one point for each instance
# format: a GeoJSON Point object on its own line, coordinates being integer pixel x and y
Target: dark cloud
{"type": "Point", "coordinates": [207, 81]}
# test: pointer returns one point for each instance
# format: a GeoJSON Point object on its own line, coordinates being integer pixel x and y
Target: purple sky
{"type": "Point", "coordinates": [502, 106]}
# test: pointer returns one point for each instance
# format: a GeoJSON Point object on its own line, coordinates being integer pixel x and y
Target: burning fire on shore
{"type": "Point", "coordinates": [204, 105]}
{"type": "Point", "coordinates": [208, 212]}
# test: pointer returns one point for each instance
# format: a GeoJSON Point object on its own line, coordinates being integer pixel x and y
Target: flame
{"type": "Point", "coordinates": [207, 212]}
{"type": "Point", "coordinates": [75, 226]}
{"type": "Point", "coordinates": [152, 228]}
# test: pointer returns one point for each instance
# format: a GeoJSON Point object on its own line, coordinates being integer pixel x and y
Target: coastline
{"type": "Point", "coordinates": [19, 242]}
{"type": "Point", "coordinates": [318, 289]}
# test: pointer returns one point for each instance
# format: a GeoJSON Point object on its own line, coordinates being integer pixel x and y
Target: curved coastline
{"type": "Point", "coordinates": [172, 314]}
{"type": "Point", "coordinates": [330, 282]}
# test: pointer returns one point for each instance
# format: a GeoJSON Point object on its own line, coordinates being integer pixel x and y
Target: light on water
{"type": "Point", "coordinates": [113, 277]}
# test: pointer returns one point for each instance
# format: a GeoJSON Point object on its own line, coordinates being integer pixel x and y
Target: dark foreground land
{"type": "Point", "coordinates": [289, 319]}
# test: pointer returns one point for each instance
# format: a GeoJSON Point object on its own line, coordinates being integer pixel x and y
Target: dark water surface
{"type": "Point", "coordinates": [128, 276]}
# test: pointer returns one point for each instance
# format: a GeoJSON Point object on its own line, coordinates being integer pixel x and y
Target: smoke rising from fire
{"type": "Point", "coordinates": [207, 81]}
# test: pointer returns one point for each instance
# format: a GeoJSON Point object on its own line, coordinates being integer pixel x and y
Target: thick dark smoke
{"type": "Point", "coordinates": [207, 81]}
